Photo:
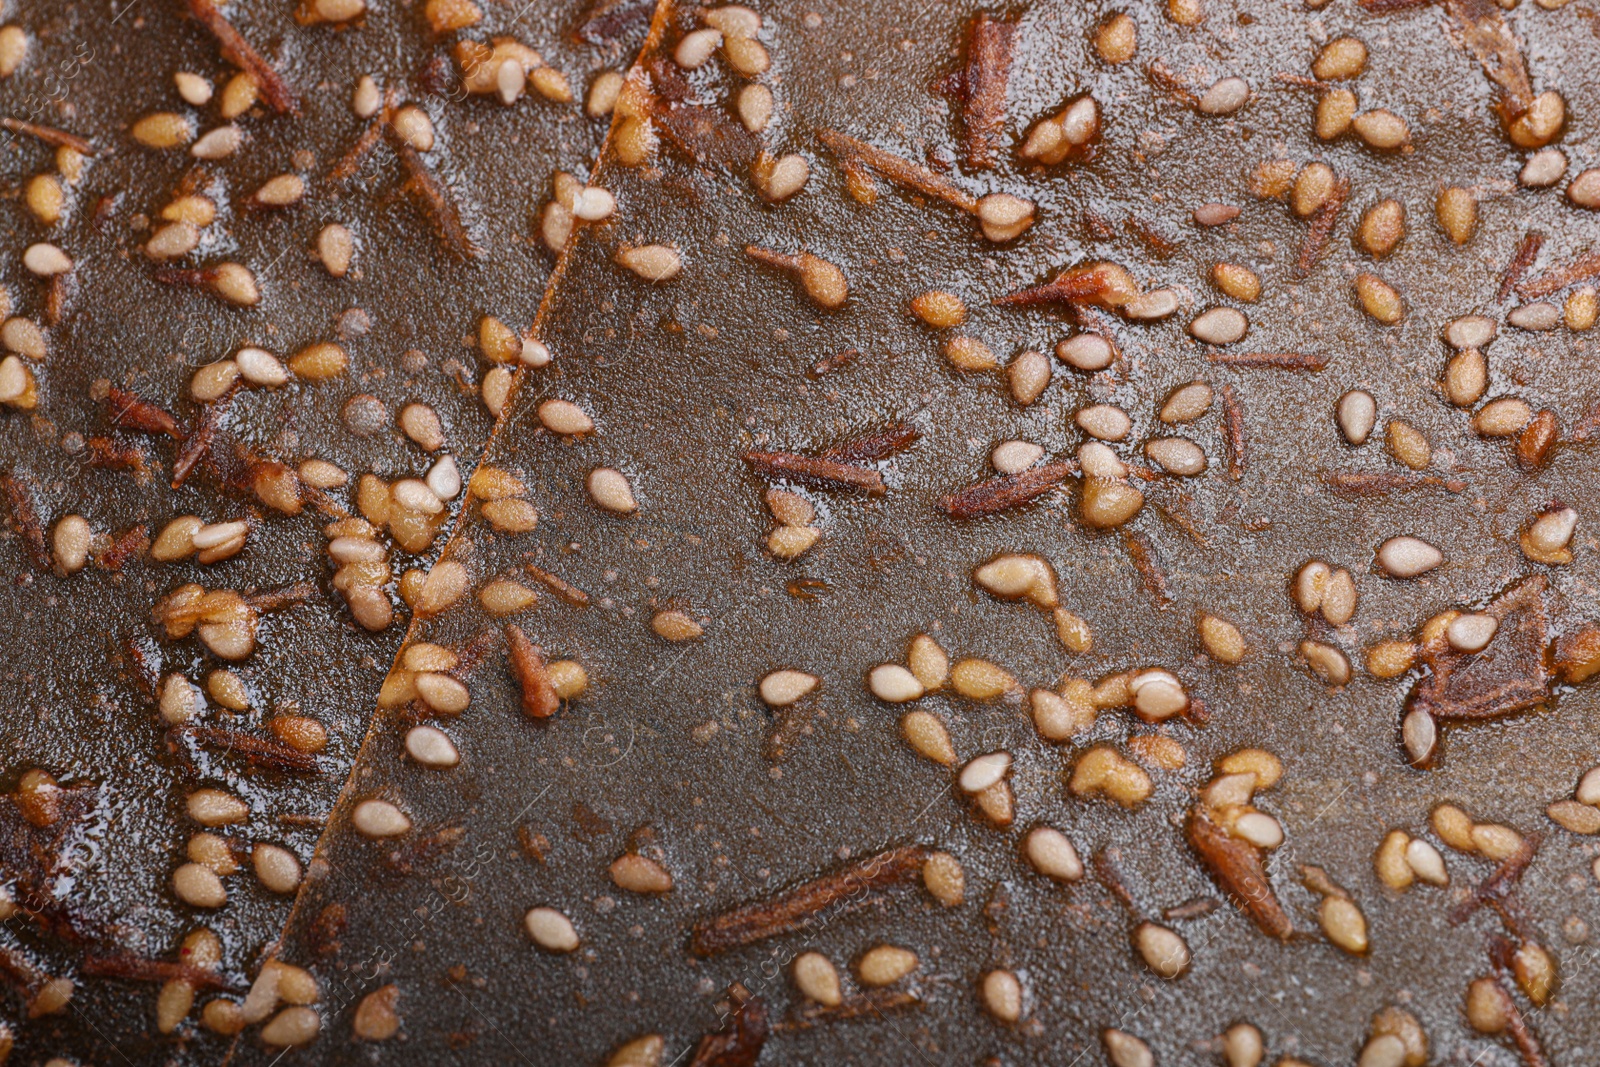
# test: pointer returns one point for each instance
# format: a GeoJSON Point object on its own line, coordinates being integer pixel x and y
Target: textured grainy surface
{"type": "Point", "coordinates": [666, 752]}
{"type": "Point", "coordinates": [72, 700]}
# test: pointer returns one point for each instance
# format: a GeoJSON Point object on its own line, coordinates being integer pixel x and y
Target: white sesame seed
{"type": "Point", "coordinates": [1242, 1046]}
{"type": "Point", "coordinates": [444, 478]}
{"type": "Point", "coordinates": [1125, 1050]}
{"type": "Point", "coordinates": [593, 203]}
{"type": "Point", "coordinates": [609, 488]}
{"type": "Point", "coordinates": [193, 88]}
{"type": "Point", "coordinates": [292, 1027]}
{"type": "Point", "coordinates": [1156, 304]}
{"type": "Point", "coordinates": [1052, 855]}
{"type": "Point", "coordinates": [414, 127]}
{"type": "Point", "coordinates": [1426, 862]}
{"type": "Point", "coordinates": [1176, 455]}
{"type": "Point", "coordinates": [199, 886]}
{"type": "Point", "coordinates": [431, 747]}
{"type": "Point", "coordinates": [565, 417]}
{"type": "Point", "coordinates": [550, 930]}
{"type": "Point", "coordinates": [180, 699]}
{"type": "Point", "coordinates": [277, 868]}
{"type": "Point", "coordinates": [1002, 996]}
{"type": "Point", "coordinates": [46, 260]}
{"type": "Point", "coordinates": [884, 965]}
{"type": "Point", "coordinates": [219, 143]}
{"type": "Point", "coordinates": [260, 367]}
{"type": "Point", "coordinates": [1009, 457]}
{"type": "Point", "coordinates": [1157, 695]}
{"type": "Point", "coordinates": [1543, 169]}
{"type": "Point", "coordinates": [413, 494]}
{"type": "Point", "coordinates": [70, 542]}
{"type": "Point", "coordinates": [1420, 735]}
{"type": "Point", "coordinates": [379, 818]}
{"type": "Point", "coordinates": [1098, 461]}
{"type": "Point", "coordinates": [1584, 190]}
{"type": "Point", "coordinates": [213, 807]}
{"type": "Point", "coordinates": [782, 688]}
{"type": "Point", "coordinates": [1588, 791]}
{"type": "Point", "coordinates": [755, 107]}
{"type": "Point", "coordinates": [1163, 950]}
{"type": "Point", "coordinates": [1105, 421]}
{"type": "Point", "coordinates": [653, 263]}
{"type": "Point", "coordinates": [1552, 531]}
{"type": "Point", "coordinates": [1085, 351]}
{"type": "Point", "coordinates": [1258, 828]}
{"type": "Point", "coordinates": [894, 684]}
{"type": "Point", "coordinates": [443, 693]}
{"type": "Point", "coordinates": [817, 978]}
{"type": "Point", "coordinates": [1219, 326]}
{"type": "Point", "coordinates": [1538, 316]}
{"type": "Point", "coordinates": [1357, 413]}
{"type": "Point", "coordinates": [1003, 216]}
{"type": "Point", "coordinates": [984, 771]}
{"type": "Point", "coordinates": [1407, 557]}
{"type": "Point", "coordinates": [365, 99]}
{"type": "Point", "coordinates": [1225, 97]}
{"type": "Point", "coordinates": [1471, 633]}
{"type": "Point", "coordinates": [219, 533]}
{"type": "Point", "coordinates": [696, 47]}
{"type": "Point", "coordinates": [510, 79]}
{"type": "Point", "coordinates": [534, 353]}
{"type": "Point", "coordinates": [1470, 331]}
{"type": "Point", "coordinates": [15, 380]}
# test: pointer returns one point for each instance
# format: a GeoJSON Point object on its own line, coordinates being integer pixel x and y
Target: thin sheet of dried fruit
{"type": "Point", "coordinates": [667, 754]}
{"type": "Point", "coordinates": [76, 697]}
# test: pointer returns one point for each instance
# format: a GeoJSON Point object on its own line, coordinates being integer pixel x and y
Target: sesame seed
{"type": "Point", "coordinates": [1225, 97]}
{"type": "Point", "coordinates": [978, 679]}
{"type": "Point", "coordinates": [784, 687]}
{"type": "Point", "coordinates": [1379, 299]}
{"type": "Point", "coordinates": [1099, 461]}
{"type": "Point", "coordinates": [1105, 772]}
{"type": "Point", "coordinates": [594, 203]}
{"type": "Point", "coordinates": [1539, 316]}
{"type": "Point", "coordinates": [291, 1027]}
{"type": "Point", "coordinates": [193, 88]}
{"type": "Point", "coordinates": [1407, 557]}
{"type": "Point", "coordinates": [276, 867]}
{"type": "Point", "coordinates": [1543, 169]}
{"type": "Point", "coordinates": [219, 143]}
{"type": "Point", "coordinates": [213, 807]}
{"type": "Point", "coordinates": [1009, 457]}
{"type": "Point", "coordinates": [1123, 1049]}
{"type": "Point", "coordinates": [817, 979]}
{"type": "Point", "coordinates": [1340, 59]}
{"type": "Point", "coordinates": [1471, 633]}
{"type": "Point", "coordinates": [1584, 190]}
{"type": "Point", "coordinates": [928, 737]}
{"type": "Point", "coordinates": [755, 107]}
{"type": "Point", "coordinates": [414, 128]}
{"type": "Point", "coordinates": [1104, 421]}
{"type": "Point", "coordinates": [1148, 307]}
{"type": "Point", "coordinates": [940, 310]}
{"type": "Point", "coordinates": [565, 417]}
{"type": "Point", "coordinates": [1407, 444]}
{"type": "Point", "coordinates": [1457, 211]}
{"type": "Point", "coordinates": [1382, 129]}
{"type": "Point", "coordinates": [198, 886]}
{"type": "Point", "coordinates": [431, 747]}
{"type": "Point", "coordinates": [609, 489]}
{"type": "Point", "coordinates": [70, 542]}
{"type": "Point", "coordinates": [162, 129]}
{"type": "Point", "coordinates": [1164, 951]}
{"type": "Point", "coordinates": [1105, 503]}
{"type": "Point", "coordinates": [894, 684]}
{"type": "Point", "coordinates": [1117, 39]}
{"type": "Point", "coordinates": [1051, 854]}
{"type": "Point", "coordinates": [46, 260]}
{"type": "Point", "coordinates": [984, 771]}
{"type": "Point", "coordinates": [1002, 996]}
{"type": "Point", "coordinates": [1219, 326]}
{"type": "Point", "coordinates": [640, 874]}
{"type": "Point", "coordinates": [696, 48]}
{"type": "Point", "coordinates": [379, 819]}
{"type": "Point", "coordinates": [1003, 216]}
{"type": "Point", "coordinates": [550, 930]}
{"type": "Point", "coordinates": [1242, 1046]}
{"type": "Point", "coordinates": [1382, 228]}
{"type": "Point", "coordinates": [375, 1016]}
{"type": "Point", "coordinates": [1085, 352]}
{"type": "Point", "coordinates": [653, 263]}
{"type": "Point", "coordinates": [1186, 403]}
{"type": "Point", "coordinates": [884, 965]}
{"type": "Point", "coordinates": [944, 879]}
